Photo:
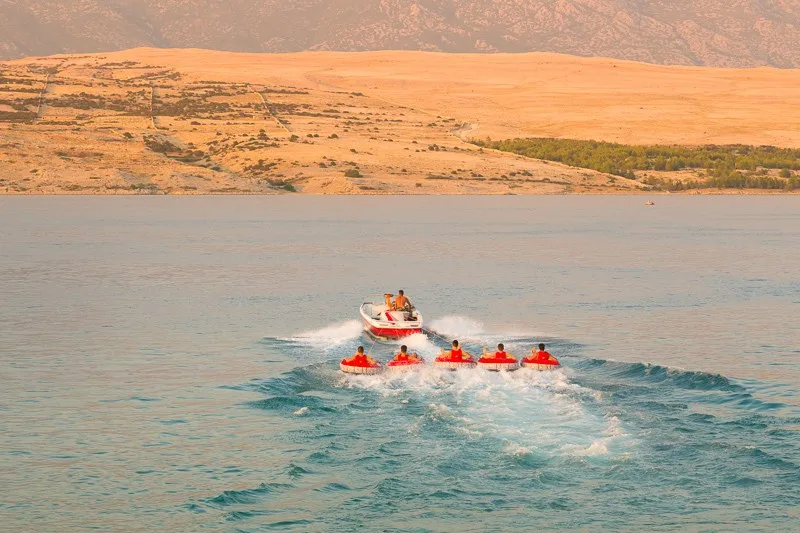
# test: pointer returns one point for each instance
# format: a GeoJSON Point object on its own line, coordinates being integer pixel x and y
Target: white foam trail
{"type": "Point", "coordinates": [539, 413]}
{"type": "Point", "coordinates": [419, 343]}
{"type": "Point", "coordinates": [468, 330]}
{"type": "Point", "coordinates": [515, 449]}
{"type": "Point", "coordinates": [329, 336]}
{"type": "Point", "coordinates": [613, 432]}
{"type": "Point", "coordinates": [301, 411]}
{"type": "Point", "coordinates": [456, 327]}
{"type": "Point", "coordinates": [597, 447]}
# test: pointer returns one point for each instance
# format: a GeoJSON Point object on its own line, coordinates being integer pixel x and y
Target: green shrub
{"type": "Point", "coordinates": [728, 166]}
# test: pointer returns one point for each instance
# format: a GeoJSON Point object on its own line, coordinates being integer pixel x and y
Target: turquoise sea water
{"type": "Point", "coordinates": [169, 364]}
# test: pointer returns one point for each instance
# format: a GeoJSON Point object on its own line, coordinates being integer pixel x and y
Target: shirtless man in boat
{"type": "Point", "coordinates": [500, 353]}
{"type": "Point", "coordinates": [456, 353]}
{"type": "Point", "coordinates": [541, 355]}
{"type": "Point", "coordinates": [401, 303]}
{"type": "Point", "coordinates": [360, 358]}
{"type": "Point", "coordinates": [404, 356]}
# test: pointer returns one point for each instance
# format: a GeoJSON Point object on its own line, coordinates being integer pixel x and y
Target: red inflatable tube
{"type": "Point", "coordinates": [497, 360]}
{"type": "Point", "coordinates": [441, 359]}
{"type": "Point", "coordinates": [535, 361]}
{"type": "Point", "coordinates": [542, 365]}
{"type": "Point", "coordinates": [408, 362]}
{"type": "Point", "coordinates": [498, 364]}
{"type": "Point", "coordinates": [355, 368]}
{"type": "Point", "coordinates": [453, 363]}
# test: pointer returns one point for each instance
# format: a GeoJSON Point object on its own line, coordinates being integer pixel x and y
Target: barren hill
{"type": "Point", "coordinates": [728, 33]}
{"type": "Point", "coordinates": [183, 121]}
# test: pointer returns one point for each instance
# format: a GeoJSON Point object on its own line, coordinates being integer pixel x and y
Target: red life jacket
{"type": "Point", "coordinates": [360, 359]}
{"type": "Point", "coordinates": [542, 356]}
{"type": "Point", "coordinates": [456, 354]}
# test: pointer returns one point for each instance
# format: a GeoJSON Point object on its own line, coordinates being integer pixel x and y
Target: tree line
{"type": "Point", "coordinates": [726, 166]}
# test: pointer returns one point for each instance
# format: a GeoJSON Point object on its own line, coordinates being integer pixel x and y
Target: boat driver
{"type": "Point", "coordinates": [401, 303]}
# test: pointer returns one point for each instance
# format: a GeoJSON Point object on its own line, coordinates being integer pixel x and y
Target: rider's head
{"type": "Point", "coordinates": [455, 344]}
{"type": "Point", "coordinates": [403, 348]}
{"type": "Point", "coordinates": [500, 347]}
{"type": "Point", "coordinates": [400, 292]}
{"type": "Point", "coordinates": [360, 349]}
{"type": "Point", "coordinates": [541, 346]}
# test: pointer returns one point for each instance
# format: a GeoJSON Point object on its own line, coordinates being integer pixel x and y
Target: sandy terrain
{"type": "Point", "coordinates": [194, 122]}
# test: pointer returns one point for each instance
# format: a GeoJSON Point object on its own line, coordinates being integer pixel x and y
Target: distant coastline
{"type": "Point", "coordinates": [190, 122]}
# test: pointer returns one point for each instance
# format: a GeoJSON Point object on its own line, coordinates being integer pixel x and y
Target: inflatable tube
{"type": "Point", "coordinates": [542, 366]}
{"type": "Point", "coordinates": [496, 364]}
{"type": "Point", "coordinates": [404, 366]}
{"type": "Point", "coordinates": [351, 368]}
{"type": "Point", "coordinates": [453, 364]}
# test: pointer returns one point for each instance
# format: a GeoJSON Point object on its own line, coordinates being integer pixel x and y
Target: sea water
{"type": "Point", "coordinates": [171, 364]}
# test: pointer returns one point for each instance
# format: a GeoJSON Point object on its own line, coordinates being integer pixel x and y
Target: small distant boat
{"type": "Point", "coordinates": [383, 323]}
{"type": "Point", "coordinates": [649, 202]}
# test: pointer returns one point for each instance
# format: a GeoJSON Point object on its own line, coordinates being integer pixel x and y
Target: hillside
{"type": "Point", "coordinates": [742, 33]}
{"type": "Point", "coordinates": [192, 122]}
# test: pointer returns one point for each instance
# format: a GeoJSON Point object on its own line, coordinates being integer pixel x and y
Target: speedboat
{"type": "Point", "coordinates": [384, 324]}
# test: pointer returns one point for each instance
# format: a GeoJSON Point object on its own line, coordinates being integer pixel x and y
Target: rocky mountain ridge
{"type": "Point", "coordinates": [733, 33]}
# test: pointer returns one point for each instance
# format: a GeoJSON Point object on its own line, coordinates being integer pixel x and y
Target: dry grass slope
{"type": "Point", "coordinates": [151, 121]}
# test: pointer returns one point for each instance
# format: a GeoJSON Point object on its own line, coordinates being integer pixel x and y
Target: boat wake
{"type": "Point", "coordinates": [457, 327]}
{"type": "Point", "coordinates": [470, 437]}
{"type": "Point", "coordinates": [329, 337]}
{"type": "Point", "coordinates": [589, 409]}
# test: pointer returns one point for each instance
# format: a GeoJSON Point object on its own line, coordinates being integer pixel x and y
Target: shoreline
{"type": "Point", "coordinates": [723, 192]}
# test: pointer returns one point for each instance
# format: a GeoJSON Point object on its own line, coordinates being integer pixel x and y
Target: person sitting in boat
{"type": "Point", "coordinates": [541, 356]}
{"type": "Point", "coordinates": [389, 307]}
{"type": "Point", "coordinates": [456, 353]}
{"type": "Point", "coordinates": [404, 356]}
{"type": "Point", "coordinates": [401, 303]}
{"type": "Point", "coordinates": [360, 358]}
{"type": "Point", "coordinates": [499, 354]}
